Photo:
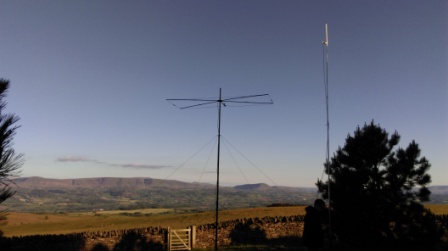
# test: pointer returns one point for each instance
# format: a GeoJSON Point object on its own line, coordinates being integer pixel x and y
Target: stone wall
{"type": "Point", "coordinates": [268, 230]}
{"type": "Point", "coordinates": [253, 231]}
{"type": "Point", "coordinates": [129, 239]}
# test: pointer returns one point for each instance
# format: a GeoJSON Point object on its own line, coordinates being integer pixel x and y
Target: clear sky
{"type": "Point", "coordinates": [90, 80]}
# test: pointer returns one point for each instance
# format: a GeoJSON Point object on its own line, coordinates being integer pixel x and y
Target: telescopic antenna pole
{"type": "Point", "coordinates": [327, 162]}
{"type": "Point", "coordinates": [217, 169]}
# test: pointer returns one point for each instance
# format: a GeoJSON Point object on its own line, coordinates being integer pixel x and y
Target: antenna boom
{"type": "Point", "coordinates": [220, 102]}
{"type": "Point", "coordinates": [251, 96]}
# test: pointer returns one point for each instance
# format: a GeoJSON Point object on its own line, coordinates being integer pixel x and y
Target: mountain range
{"type": "Point", "coordinates": [104, 182]}
{"type": "Point", "coordinates": [37, 194]}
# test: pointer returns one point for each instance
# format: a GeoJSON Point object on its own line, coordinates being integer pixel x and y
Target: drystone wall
{"type": "Point", "coordinates": [151, 238]}
{"type": "Point", "coordinates": [267, 230]}
{"type": "Point", "coordinates": [254, 231]}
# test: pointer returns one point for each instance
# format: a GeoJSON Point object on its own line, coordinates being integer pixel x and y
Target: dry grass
{"type": "Point", "coordinates": [31, 224]}
{"type": "Point", "coordinates": [438, 208]}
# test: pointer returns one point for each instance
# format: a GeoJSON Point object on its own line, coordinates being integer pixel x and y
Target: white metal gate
{"type": "Point", "coordinates": [179, 239]}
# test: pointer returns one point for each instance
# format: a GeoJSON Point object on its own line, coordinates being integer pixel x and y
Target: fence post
{"type": "Point", "coordinates": [193, 236]}
{"type": "Point", "coordinates": [168, 238]}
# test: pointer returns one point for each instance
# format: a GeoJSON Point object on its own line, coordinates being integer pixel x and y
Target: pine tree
{"type": "Point", "coordinates": [10, 162]}
{"type": "Point", "coordinates": [377, 190]}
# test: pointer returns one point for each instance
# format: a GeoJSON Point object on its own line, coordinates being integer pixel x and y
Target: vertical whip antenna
{"type": "Point", "coordinates": [327, 161]}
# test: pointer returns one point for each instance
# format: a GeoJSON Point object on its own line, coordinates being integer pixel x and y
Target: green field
{"type": "Point", "coordinates": [21, 224]}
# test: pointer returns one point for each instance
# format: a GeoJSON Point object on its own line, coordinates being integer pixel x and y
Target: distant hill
{"type": "Point", "coordinates": [146, 182]}
{"type": "Point", "coordinates": [259, 186]}
{"type": "Point", "coordinates": [104, 182]}
{"type": "Point", "coordinates": [439, 190]}
{"type": "Point", "coordinates": [37, 194]}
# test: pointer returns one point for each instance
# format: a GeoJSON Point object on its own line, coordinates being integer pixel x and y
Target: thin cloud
{"type": "Point", "coordinates": [70, 158]}
{"type": "Point", "coordinates": [140, 166]}
{"type": "Point", "coordinates": [75, 159]}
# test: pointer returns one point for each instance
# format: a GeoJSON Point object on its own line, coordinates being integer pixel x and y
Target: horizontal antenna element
{"type": "Point", "coordinates": [234, 100]}
{"type": "Point", "coordinates": [220, 101]}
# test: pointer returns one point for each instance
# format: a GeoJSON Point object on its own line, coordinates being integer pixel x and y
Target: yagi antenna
{"type": "Point", "coordinates": [244, 100]}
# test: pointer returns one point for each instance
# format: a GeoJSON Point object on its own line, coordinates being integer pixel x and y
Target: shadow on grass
{"type": "Point", "coordinates": [43, 243]}
{"type": "Point", "coordinates": [284, 244]}
{"type": "Point", "coordinates": [249, 236]}
{"type": "Point", "coordinates": [136, 242]}
{"type": "Point", "coordinates": [100, 247]}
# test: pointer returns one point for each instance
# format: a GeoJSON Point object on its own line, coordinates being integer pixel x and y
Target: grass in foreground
{"type": "Point", "coordinates": [22, 224]}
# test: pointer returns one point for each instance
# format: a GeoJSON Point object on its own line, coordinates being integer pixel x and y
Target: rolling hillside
{"type": "Point", "coordinates": [104, 182]}
{"type": "Point", "coordinates": [36, 194]}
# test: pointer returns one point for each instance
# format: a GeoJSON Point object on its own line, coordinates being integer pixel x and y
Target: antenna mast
{"type": "Point", "coordinates": [327, 162]}
{"type": "Point", "coordinates": [220, 101]}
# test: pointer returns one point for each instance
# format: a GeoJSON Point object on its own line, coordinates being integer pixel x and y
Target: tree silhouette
{"type": "Point", "coordinates": [377, 191]}
{"type": "Point", "coordinates": [10, 162]}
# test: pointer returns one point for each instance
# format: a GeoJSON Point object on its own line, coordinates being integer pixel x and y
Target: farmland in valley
{"type": "Point", "coordinates": [49, 223]}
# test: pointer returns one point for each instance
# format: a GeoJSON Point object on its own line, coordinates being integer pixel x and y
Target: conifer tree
{"type": "Point", "coordinates": [10, 162]}
{"type": "Point", "coordinates": [377, 190]}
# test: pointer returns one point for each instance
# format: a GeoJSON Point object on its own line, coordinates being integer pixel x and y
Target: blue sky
{"type": "Point", "coordinates": [90, 80]}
